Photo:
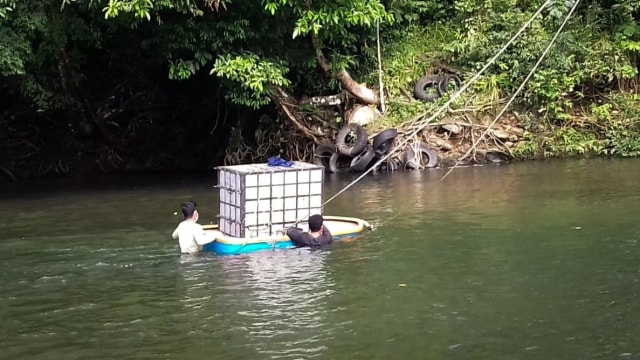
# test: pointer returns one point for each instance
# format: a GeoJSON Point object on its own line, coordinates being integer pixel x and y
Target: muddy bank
{"type": "Point", "coordinates": [453, 141]}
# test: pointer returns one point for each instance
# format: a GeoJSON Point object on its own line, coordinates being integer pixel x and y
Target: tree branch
{"type": "Point", "coordinates": [279, 99]}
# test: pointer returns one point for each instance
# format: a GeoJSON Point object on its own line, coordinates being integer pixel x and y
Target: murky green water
{"type": "Point", "coordinates": [529, 261]}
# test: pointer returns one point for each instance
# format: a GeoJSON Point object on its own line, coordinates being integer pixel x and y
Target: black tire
{"type": "Point", "coordinates": [446, 80]}
{"type": "Point", "coordinates": [361, 162]}
{"type": "Point", "coordinates": [427, 81]}
{"type": "Point", "coordinates": [335, 160]}
{"type": "Point", "coordinates": [382, 142]}
{"type": "Point", "coordinates": [389, 165]}
{"type": "Point", "coordinates": [496, 157]}
{"type": "Point", "coordinates": [409, 156]}
{"type": "Point", "coordinates": [392, 165]}
{"type": "Point", "coordinates": [322, 154]}
{"type": "Point", "coordinates": [359, 144]}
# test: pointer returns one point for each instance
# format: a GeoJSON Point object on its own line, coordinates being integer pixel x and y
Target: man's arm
{"type": "Point", "coordinates": [298, 237]}
{"type": "Point", "coordinates": [202, 237]}
{"type": "Point", "coordinates": [175, 232]}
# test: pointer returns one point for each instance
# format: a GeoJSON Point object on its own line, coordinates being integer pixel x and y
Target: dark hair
{"type": "Point", "coordinates": [188, 207]}
{"type": "Point", "coordinates": [315, 222]}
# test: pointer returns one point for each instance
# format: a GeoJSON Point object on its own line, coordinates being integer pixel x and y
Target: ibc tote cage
{"type": "Point", "coordinates": [258, 199]}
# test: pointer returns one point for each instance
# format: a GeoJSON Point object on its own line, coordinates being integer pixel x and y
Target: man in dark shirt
{"type": "Point", "coordinates": [317, 236]}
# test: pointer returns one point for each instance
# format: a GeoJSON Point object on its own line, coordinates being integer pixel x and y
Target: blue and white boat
{"type": "Point", "coordinates": [341, 228]}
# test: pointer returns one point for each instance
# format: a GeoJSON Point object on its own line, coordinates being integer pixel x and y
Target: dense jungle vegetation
{"type": "Point", "coordinates": [90, 86]}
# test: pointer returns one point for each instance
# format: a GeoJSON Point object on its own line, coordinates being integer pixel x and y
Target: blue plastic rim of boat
{"type": "Point", "coordinates": [234, 249]}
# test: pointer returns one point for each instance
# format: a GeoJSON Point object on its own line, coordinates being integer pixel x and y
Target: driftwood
{"type": "Point", "coordinates": [288, 105]}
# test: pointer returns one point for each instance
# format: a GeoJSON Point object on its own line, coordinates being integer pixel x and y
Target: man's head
{"type": "Point", "coordinates": [188, 209]}
{"type": "Point", "coordinates": [315, 222]}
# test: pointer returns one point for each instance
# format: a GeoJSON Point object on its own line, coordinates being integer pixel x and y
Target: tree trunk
{"type": "Point", "coordinates": [359, 91]}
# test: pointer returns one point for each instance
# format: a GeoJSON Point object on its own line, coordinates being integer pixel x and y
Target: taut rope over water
{"type": "Point", "coordinates": [445, 105]}
{"type": "Point", "coordinates": [544, 53]}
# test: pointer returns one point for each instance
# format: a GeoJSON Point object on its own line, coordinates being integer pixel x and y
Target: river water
{"type": "Point", "coordinates": [538, 260]}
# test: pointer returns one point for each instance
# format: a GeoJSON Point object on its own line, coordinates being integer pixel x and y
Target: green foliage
{"type": "Point", "coordinates": [272, 40]}
{"type": "Point", "coordinates": [576, 142]}
{"type": "Point", "coordinates": [144, 9]}
{"type": "Point", "coordinates": [140, 8]}
{"type": "Point", "coordinates": [606, 128]}
{"type": "Point", "coordinates": [183, 69]}
{"type": "Point", "coordinates": [528, 148]}
{"type": "Point", "coordinates": [6, 7]}
{"type": "Point", "coordinates": [56, 56]}
{"type": "Point", "coordinates": [408, 60]}
{"type": "Point", "coordinates": [596, 50]}
{"type": "Point", "coordinates": [400, 112]}
{"type": "Point", "coordinates": [14, 51]}
{"type": "Point", "coordinates": [335, 18]}
{"type": "Point", "coordinates": [419, 12]}
{"type": "Point", "coordinates": [621, 119]}
{"type": "Point", "coordinates": [41, 51]}
{"type": "Point", "coordinates": [257, 77]}
{"type": "Point", "coordinates": [14, 46]}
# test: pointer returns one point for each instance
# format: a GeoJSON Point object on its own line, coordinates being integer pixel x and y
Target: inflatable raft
{"type": "Point", "coordinates": [339, 226]}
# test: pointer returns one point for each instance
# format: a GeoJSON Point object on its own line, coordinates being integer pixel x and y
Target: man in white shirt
{"type": "Point", "coordinates": [189, 233]}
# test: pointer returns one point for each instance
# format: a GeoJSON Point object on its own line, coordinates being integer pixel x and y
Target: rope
{"type": "Point", "coordinates": [456, 95]}
{"type": "Point", "coordinates": [540, 59]}
{"type": "Point", "coordinates": [445, 105]}
{"type": "Point", "coordinates": [535, 67]}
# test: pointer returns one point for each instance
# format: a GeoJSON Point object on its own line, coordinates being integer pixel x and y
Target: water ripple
{"type": "Point", "coordinates": [284, 299]}
{"type": "Point", "coordinates": [489, 264]}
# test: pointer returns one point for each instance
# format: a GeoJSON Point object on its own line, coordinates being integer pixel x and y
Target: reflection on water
{"type": "Point", "coordinates": [472, 188]}
{"type": "Point", "coordinates": [279, 298]}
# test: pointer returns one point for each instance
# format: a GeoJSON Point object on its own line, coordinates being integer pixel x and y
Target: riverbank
{"type": "Point", "coordinates": [145, 88]}
{"type": "Point", "coordinates": [567, 109]}
{"type": "Point", "coordinates": [608, 126]}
